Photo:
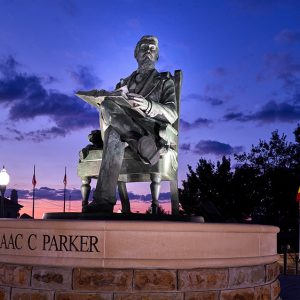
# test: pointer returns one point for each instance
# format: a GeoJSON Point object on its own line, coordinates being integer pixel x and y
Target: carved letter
{"type": "Point", "coordinates": [46, 241]}
{"type": "Point", "coordinates": [84, 242]}
{"type": "Point", "coordinates": [72, 241]}
{"type": "Point", "coordinates": [53, 243]}
{"type": "Point", "coordinates": [93, 242]}
{"type": "Point", "coordinates": [29, 241]}
{"type": "Point", "coordinates": [11, 242]}
{"type": "Point", "coordinates": [62, 243]}
{"type": "Point", "coordinates": [19, 235]}
{"type": "Point", "coordinates": [3, 242]}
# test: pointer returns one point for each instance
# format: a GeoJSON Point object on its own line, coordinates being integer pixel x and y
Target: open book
{"type": "Point", "coordinates": [96, 97]}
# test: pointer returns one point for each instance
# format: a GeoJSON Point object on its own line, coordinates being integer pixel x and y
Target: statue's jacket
{"type": "Point", "coordinates": [159, 89]}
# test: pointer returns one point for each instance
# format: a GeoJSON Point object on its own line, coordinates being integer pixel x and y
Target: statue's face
{"type": "Point", "coordinates": [148, 53]}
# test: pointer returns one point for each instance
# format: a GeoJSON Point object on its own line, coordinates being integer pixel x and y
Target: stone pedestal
{"type": "Point", "coordinates": [61, 260]}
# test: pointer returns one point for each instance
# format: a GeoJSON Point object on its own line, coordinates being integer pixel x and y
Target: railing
{"type": "Point", "coordinates": [290, 260]}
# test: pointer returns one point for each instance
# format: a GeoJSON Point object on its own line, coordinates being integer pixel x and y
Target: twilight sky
{"type": "Point", "coordinates": [240, 62]}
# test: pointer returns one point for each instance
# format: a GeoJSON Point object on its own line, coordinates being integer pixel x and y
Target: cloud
{"type": "Point", "coordinates": [282, 66]}
{"type": "Point", "coordinates": [219, 72]}
{"type": "Point", "coordinates": [49, 79]}
{"type": "Point", "coordinates": [185, 147]}
{"type": "Point", "coordinates": [3, 138]}
{"type": "Point", "coordinates": [148, 197]}
{"type": "Point", "coordinates": [69, 7]}
{"type": "Point", "coordinates": [282, 62]}
{"type": "Point", "coordinates": [40, 135]}
{"type": "Point", "coordinates": [263, 6]}
{"type": "Point", "coordinates": [8, 66]}
{"type": "Point", "coordinates": [272, 111]}
{"type": "Point", "coordinates": [214, 93]}
{"type": "Point", "coordinates": [211, 100]}
{"type": "Point", "coordinates": [291, 82]}
{"type": "Point", "coordinates": [48, 193]}
{"type": "Point", "coordinates": [216, 148]}
{"type": "Point", "coordinates": [85, 77]}
{"type": "Point", "coordinates": [286, 68]}
{"type": "Point", "coordinates": [288, 36]}
{"type": "Point", "coordinates": [58, 194]}
{"type": "Point", "coordinates": [27, 98]}
{"type": "Point", "coordinates": [200, 122]}
{"type": "Point", "coordinates": [15, 134]}
{"type": "Point", "coordinates": [235, 117]}
{"type": "Point", "coordinates": [134, 23]}
{"type": "Point", "coordinates": [22, 193]}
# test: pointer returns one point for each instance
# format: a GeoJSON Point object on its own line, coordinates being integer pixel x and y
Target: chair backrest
{"type": "Point", "coordinates": [177, 78]}
{"type": "Point", "coordinates": [178, 82]}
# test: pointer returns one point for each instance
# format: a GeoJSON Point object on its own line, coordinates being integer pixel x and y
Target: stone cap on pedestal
{"type": "Point", "coordinates": [133, 244]}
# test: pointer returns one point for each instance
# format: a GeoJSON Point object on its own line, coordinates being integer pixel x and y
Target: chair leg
{"type": "Point", "coordinates": [174, 197]}
{"type": "Point", "coordinates": [85, 190]}
{"type": "Point", "coordinates": [124, 197]}
{"type": "Point", "coordinates": [155, 190]}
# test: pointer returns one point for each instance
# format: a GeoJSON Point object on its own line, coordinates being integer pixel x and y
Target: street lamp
{"type": "Point", "coordinates": [4, 180]}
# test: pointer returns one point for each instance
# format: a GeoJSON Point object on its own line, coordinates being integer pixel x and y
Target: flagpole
{"type": "Point", "coordinates": [33, 202]}
{"type": "Point", "coordinates": [298, 255]}
{"type": "Point", "coordinates": [65, 184]}
{"type": "Point", "coordinates": [33, 192]}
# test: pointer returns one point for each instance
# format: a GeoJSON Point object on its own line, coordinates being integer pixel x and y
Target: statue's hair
{"type": "Point", "coordinates": [146, 38]}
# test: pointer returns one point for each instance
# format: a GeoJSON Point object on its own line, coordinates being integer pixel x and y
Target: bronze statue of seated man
{"type": "Point", "coordinates": [154, 94]}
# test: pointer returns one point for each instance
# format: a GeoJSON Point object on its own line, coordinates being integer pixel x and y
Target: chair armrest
{"type": "Point", "coordinates": [86, 151]}
{"type": "Point", "coordinates": [169, 134]}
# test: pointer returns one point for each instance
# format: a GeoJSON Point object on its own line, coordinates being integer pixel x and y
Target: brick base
{"type": "Point", "coordinates": [18, 282]}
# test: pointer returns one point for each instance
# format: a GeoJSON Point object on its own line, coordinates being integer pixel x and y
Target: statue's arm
{"type": "Point", "coordinates": [165, 110]}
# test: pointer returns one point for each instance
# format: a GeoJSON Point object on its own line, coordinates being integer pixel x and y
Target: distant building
{"type": "Point", "coordinates": [25, 216]}
{"type": "Point", "coordinates": [11, 206]}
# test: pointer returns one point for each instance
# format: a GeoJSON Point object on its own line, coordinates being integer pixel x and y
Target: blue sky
{"type": "Point", "coordinates": [240, 61]}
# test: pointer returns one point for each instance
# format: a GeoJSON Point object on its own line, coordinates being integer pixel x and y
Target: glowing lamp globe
{"type": "Point", "coordinates": [4, 178]}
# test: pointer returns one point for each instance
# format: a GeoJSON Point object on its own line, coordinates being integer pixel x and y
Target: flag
{"type": "Point", "coordinates": [33, 178]}
{"type": "Point", "coordinates": [65, 178]}
{"type": "Point", "coordinates": [298, 195]}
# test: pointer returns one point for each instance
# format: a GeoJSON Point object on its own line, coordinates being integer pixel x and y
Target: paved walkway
{"type": "Point", "coordinates": [290, 287]}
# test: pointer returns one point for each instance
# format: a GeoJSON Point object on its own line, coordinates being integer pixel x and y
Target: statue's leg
{"type": "Point", "coordinates": [104, 197]}
{"type": "Point", "coordinates": [155, 190]}
{"type": "Point", "coordinates": [174, 197]}
{"type": "Point", "coordinates": [130, 131]}
{"type": "Point", "coordinates": [85, 190]}
{"type": "Point", "coordinates": [124, 197]}
{"type": "Point", "coordinates": [119, 118]}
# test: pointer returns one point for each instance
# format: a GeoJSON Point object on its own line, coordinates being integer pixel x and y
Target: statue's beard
{"type": "Point", "coordinates": [146, 63]}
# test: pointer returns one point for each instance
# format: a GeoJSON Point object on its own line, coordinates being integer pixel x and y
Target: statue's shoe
{"type": "Point", "coordinates": [95, 207]}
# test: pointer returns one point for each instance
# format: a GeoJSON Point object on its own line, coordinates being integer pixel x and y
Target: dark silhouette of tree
{"type": "Point", "coordinates": [160, 210]}
{"type": "Point", "coordinates": [276, 168]}
{"type": "Point", "coordinates": [207, 191]}
{"type": "Point", "coordinates": [262, 186]}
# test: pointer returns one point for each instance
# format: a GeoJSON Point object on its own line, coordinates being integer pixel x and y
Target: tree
{"type": "Point", "coordinates": [275, 165]}
{"type": "Point", "coordinates": [160, 210]}
{"type": "Point", "coordinates": [262, 186]}
{"type": "Point", "coordinates": [206, 191]}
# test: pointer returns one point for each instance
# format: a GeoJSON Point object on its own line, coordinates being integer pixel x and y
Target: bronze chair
{"type": "Point", "coordinates": [133, 170]}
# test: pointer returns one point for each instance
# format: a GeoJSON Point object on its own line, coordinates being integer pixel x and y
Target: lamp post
{"type": "Point", "coordinates": [4, 180]}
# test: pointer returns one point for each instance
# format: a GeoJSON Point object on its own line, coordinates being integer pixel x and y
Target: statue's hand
{"type": "Point", "coordinates": [138, 101]}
